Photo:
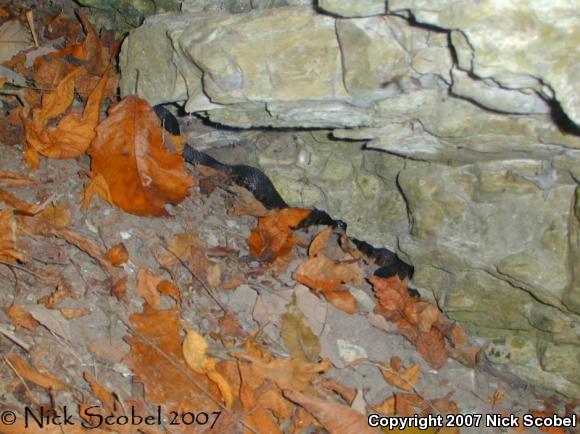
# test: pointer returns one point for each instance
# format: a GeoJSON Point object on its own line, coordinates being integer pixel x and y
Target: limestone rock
{"type": "Point", "coordinates": [519, 44]}
{"type": "Point", "coordinates": [353, 8]}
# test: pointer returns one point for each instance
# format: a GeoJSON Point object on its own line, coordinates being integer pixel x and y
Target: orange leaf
{"type": "Point", "coordinates": [335, 417]}
{"type": "Point", "coordinates": [13, 179]}
{"type": "Point", "coordinates": [156, 359]}
{"type": "Point", "coordinates": [290, 373]}
{"type": "Point", "coordinates": [141, 173]}
{"type": "Point", "coordinates": [327, 276]}
{"type": "Point", "coordinates": [319, 241]}
{"type": "Point", "coordinates": [405, 380]}
{"type": "Point", "coordinates": [272, 237]}
{"type": "Point", "coordinates": [73, 134]}
{"type": "Point", "coordinates": [118, 254]}
{"type": "Point", "coordinates": [26, 371]}
{"type": "Point", "coordinates": [147, 287]}
{"type": "Point", "coordinates": [97, 186]}
{"type": "Point", "coordinates": [9, 252]}
{"type": "Point", "coordinates": [103, 395]}
{"type": "Point", "coordinates": [260, 420]}
{"type": "Point", "coordinates": [21, 317]}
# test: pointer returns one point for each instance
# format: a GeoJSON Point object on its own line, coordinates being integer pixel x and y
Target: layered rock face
{"type": "Point", "coordinates": [447, 131]}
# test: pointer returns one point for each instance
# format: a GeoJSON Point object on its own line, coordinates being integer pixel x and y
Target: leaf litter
{"type": "Point", "coordinates": [122, 290]}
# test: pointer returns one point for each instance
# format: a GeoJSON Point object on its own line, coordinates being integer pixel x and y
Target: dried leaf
{"type": "Point", "coordinates": [147, 287]}
{"type": "Point", "coordinates": [105, 396]}
{"type": "Point", "coordinates": [195, 354]}
{"type": "Point", "coordinates": [405, 380]}
{"type": "Point", "coordinates": [272, 237]}
{"type": "Point", "coordinates": [327, 276]}
{"type": "Point", "coordinates": [21, 317]}
{"type": "Point", "coordinates": [118, 254]}
{"type": "Point", "coordinates": [73, 134]}
{"type": "Point", "coordinates": [298, 336]}
{"type": "Point", "coordinates": [141, 173]}
{"type": "Point", "coordinates": [14, 38]}
{"type": "Point", "coordinates": [97, 186]}
{"type": "Point", "coordinates": [13, 179]}
{"type": "Point", "coordinates": [290, 373]}
{"type": "Point", "coordinates": [195, 351]}
{"type": "Point", "coordinates": [73, 312]}
{"type": "Point", "coordinates": [260, 420]}
{"type": "Point", "coordinates": [26, 371]}
{"type": "Point", "coordinates": [162, 368]}
{"type": "Point", "coordinates": [58, 216]}
{"type": "Point", "coordinates": [9, 252]}
{"type": "Point", "coordinates": [336, 418]}
{"type": "Point", "coordinates": [318, 242]}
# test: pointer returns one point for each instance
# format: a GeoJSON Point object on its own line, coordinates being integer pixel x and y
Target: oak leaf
{"type": "Point", "coordinates": [128, 152]}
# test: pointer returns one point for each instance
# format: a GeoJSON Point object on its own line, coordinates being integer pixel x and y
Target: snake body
{"type": "Point", "coordinates": [258, 183]}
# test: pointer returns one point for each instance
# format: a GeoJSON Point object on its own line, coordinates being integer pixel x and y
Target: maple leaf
{"type": "Point", "coordinates": [128, 152]}
{"type": "Point", "coordinates": [273, 237]}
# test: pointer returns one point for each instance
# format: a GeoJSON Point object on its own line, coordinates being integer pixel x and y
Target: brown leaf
{"type": "Point", "coordinates": [147, 287]}
{"type": "Point", "coordinates": [405, 380]}
{"type": "Point", "coordinates": [319, 241]}
{"type": "Point", "coordinates": [272, 237]}
{"type": "Point", "coordinates": [298, 336]}
{"type": "Point", "coordinates": [327, 276]}
{"type": "Point", "coordinates": [26, 371]}
{"type": "Point", "coordinates": [97, 186]}
{"type": "Point", "coordinates": [21, 317]}
{"type": "Point", "coordinates": [73, 312]}
{"type": "Point", "coordinates": [290, 373]}
{"type": "Point", "coordinates": [13, 179]}
{"type": "Point", "coordinates": [118, 254]}
{"type": "Point", "coordinates": [73, 134]}
{"type": "Point", "coordinates": [101, 393]}
{"type": "Point", "coordinates": [141, 173]}
{"type": "Point", "coordinates": [162, 369]}
{"type": "Point", "coordinates": [53, 299]}
{"type": "Point", "coordinates": [9, 252]}
{"type": "Point", "coordinates": [260, 420]}
{"type": "Point", "coordinates": [336, 418]}
{"type": "Point", "coordinates": [58, 216]}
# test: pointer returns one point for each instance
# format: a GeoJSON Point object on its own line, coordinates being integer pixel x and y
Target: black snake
{"type": "Point", "coordinates": [258, 183]}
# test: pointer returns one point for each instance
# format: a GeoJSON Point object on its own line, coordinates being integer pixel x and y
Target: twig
{"type": "Point", "coordinates": [14, 338]}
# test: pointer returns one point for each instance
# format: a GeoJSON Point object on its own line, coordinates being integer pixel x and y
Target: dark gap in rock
{"type": "Point", "coordinates": [561, 119]}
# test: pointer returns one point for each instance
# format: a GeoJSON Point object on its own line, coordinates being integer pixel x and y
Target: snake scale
{"type": "Point", "coordinates": [258, 183]}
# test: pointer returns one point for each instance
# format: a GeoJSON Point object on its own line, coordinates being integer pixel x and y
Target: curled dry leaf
{"type": "Point", "coordinates": [336, 418]}
{"type": "Point", "coordinates": [118, 254]}
{"type": "Point", "coordinates": [73, 134]}
{"type": "Point", "coordinates": [128, 152]}
{"type": "Point", "coordinates": [147, 287]}
{"type": "Point", "coordinates": [195, 354]}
